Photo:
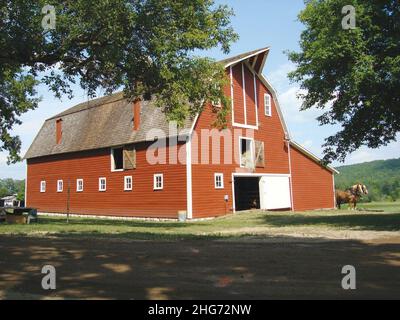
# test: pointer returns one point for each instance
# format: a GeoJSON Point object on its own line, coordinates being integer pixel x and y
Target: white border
{"type": "Point", "coordinates": [125, 183]}
{"type": "Point", "coordinates": [189, 199]}
{"type": "Point", "coordinates": [252, 147]}
{"type": "Point", "coordinates": [77, 185]}
{"type": "Point", "coordinates": [222, 181]}
{"type": "Point", "coordinates": [155, 176]}
{"type": "Point", "coordinates": [105, 184]}
{"type": "Point", "coordinates": [112, 159]}
{"type": "Point", "coordinates": [42, 190]}
{"type": "Point", "coordinates": [62, 185]}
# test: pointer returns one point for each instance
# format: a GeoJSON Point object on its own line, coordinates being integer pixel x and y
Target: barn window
{"type": "Point", "coordinates": [158, 181]}
{"type": "Point", "coordinates": [117, 159]}
{"type": "Point", "coordinates": [42, 186]}
{"type": "Point", "coordinates": [59, 185]}
{"type": "Point", "coordinates": [128, 183]}
{"type": "Point", "coordinates": [102, 184]}
{"type": "Point", "coordinates": [267, 104]}
{"type": "Point", "coordinates": [219, 181]}
{"type": "Point", "coordinates": [79, 185]}
{"type": "Point", "coordinates": [246, 147]}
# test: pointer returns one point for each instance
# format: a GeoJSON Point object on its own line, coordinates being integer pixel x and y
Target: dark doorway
{"type": "Point", "coordinates": [247, 193]}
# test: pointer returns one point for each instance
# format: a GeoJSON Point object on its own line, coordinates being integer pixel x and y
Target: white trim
{"type": "Point", "coordinates": [252, 147]}
{"type": "Point", "coordinates": [43, 186]}
{"type": "Point", "coordinates": [255, 98]}
{"type": "Point", "coordinates": [233, 193]}
{"type": "Point", "coordinates": [248, 174]}
{"type": "Point", "coordinates": [267, 95]}
{"type": "Point", "coordinates": [290, 179]}
{"type": "Point", "coordinates": [189, 196]}
{"type": "Point", "coordinates": [77, 185]}
{"type": "Point", "coordinates": [263, 61]}
{"type": "Point", "coordinates": [246, 57]}
{"type": "Point", "coordinates": [126, 184]}
{"type": "Point", "coordinates": [58, 186]}
{"type": "Point", "coordinates": [26, 183]}
{"type": "Point", "coordinates": [232, 103]}
{"type": "Point", "coordinates": [221, 175]}
{"type": "Point", "coordinates": [155, 176]}
{"type": "Point", "coordinates": [244, 96]}
{"type": "Point", "coordinates": [334, 191]}
{"type": "Point", "coordinates": [105, 184]}
{"type": "Point", "coordinates": [112, 159]}
{"type": "Point", "coordinates": [244, 126]}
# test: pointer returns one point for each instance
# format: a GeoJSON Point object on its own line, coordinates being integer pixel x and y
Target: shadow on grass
{"type": "Point", "coordinates": [358, 221]}
{"type": "Point", "coordinates": [112, 222]}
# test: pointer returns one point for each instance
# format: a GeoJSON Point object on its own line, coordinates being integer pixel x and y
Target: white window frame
{"type": "Point", "coordinates": [252, 149]}
{"type": "Point", "coordinates": [155, 185]}
{"type": "Point", "coordinates": [113, 162]}
{"type": "Point", "coordinates": [105, 184]}
{"type": "Point", "coordinates": [58, 185]}
{"type": "Point", "coordinates": [268, 97]}
{"type": "Point", "coordinates": [43, 186]}
{"type": "Point", "coordinates": [77, 185]}
{"type": "Point", "coordinates": [126, 187]}
{"type": "Point", "coordinates": [216, 176]}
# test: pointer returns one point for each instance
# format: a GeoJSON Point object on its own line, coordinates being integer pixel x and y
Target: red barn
{"type": "Point", "coordinates": [110, 156]}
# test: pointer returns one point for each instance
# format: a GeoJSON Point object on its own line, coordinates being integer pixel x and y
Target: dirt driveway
{"type": "Point", "coordinates": [198, 269]}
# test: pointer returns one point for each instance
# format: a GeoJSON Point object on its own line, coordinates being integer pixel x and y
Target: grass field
{"type": "Point", "coordinates": [241, 224]}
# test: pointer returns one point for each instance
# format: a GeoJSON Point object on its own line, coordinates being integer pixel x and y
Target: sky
{"type": "Point", "coordinates": [259, 23]}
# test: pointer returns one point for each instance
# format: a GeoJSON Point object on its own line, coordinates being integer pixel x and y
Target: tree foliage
{"type": "Point", "coordinates": [145, 47]}
{"type": "Point", "coordinates": [353, 75]}
{"type": "Point", "coordinates": [381, 178]}
{"type": "Point", "coordinates": [10, 187]}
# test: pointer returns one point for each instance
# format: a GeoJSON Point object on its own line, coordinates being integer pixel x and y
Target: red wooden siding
{"type": "Point", "coordinates": [142, 201]}
{"type": "Point", "coordinates": [244, 100]}
{"type": "Point", "coordinates": [208, 201]}
{"type": "Point", "coordinates": [250, 97]}
{"type": "Point", "coordinates": [312, 184]}
{"type": "Point", "coordinates": [237, 84]}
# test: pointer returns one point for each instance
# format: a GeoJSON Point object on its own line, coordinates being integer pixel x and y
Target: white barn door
{"type": "Point", "coordinates": [274, 192]}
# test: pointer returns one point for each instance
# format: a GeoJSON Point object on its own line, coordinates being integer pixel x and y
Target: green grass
{"type": "Point", "coordinates": [240, 224]}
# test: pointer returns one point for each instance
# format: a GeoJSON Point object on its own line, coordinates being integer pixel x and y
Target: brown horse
{"type": "Point", "coordinates": [351, 196]}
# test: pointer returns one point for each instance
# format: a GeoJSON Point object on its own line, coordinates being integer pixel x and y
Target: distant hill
{"type": "Point", "coordinates": [382, 178]}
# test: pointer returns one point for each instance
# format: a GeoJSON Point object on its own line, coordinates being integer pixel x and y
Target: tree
{"type": "Point", "coordinates": [145, 47]}
{"type": "Point", "coordinates": [352, 74]}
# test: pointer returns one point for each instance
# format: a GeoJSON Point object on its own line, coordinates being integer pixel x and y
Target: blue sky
{"type": "Point", "coordinates": [259, 23]}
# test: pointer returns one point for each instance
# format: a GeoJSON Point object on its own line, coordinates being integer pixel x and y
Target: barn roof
{"type": "Point", "coordinates": [101, 123]}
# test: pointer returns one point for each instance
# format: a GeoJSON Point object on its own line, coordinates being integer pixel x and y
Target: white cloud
{"type": "Point", "coordinates": [278, 77]}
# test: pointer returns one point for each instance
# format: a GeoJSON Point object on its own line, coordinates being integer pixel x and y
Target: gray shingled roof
{"type": "Point", "coordinates": [100, 123]}
{"type": "Point", "coordinates": [104, 122]}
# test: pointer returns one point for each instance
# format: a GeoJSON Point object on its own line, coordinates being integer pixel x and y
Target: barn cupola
{"type": "Point", "coordinates": [58, 131]}
{"type": "Point", "coordinates": [136, 114]}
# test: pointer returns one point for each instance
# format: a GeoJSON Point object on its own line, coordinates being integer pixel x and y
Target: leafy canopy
{"type": "Point", "coordinates": [145, 47]}
{"type": "Point", "coordinates": [353, 75]}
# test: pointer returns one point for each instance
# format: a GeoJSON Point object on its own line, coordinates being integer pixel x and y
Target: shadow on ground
{"type": "Point", "coordinates": [359, 221]}
{"type": "Point", "coordinates": [202, 269]}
